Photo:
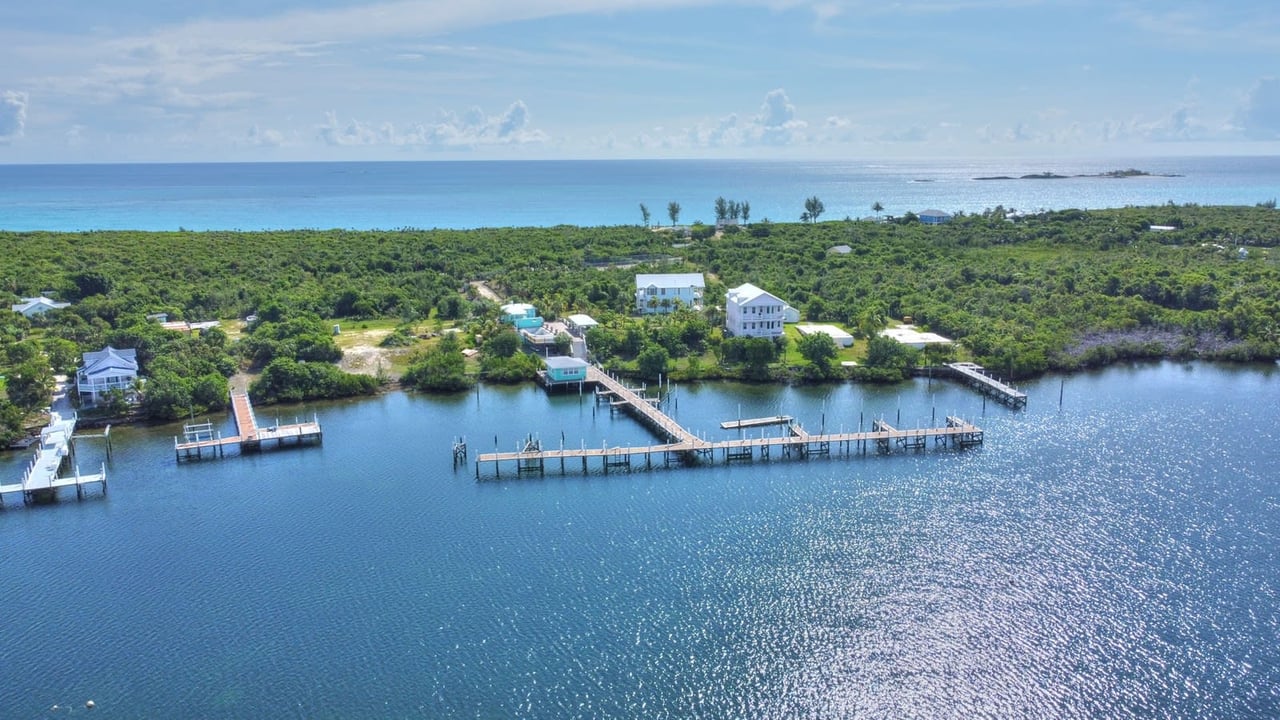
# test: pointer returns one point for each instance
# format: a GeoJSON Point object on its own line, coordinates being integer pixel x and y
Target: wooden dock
{"type": "Point", "coordinates": [756, 422]}
{"type": "Point", "coordinates": [642, 408]}
{"type": "Point", "coordinates": [883, 438]}
{"type": "Point", "coordinates": [684, 448]}
{"type": "Point", "coordinates": [982, 381]}
{"type": "Point", "coordinates": [42, 478]}
{"type": "Point", "coordinates": [199, 438]}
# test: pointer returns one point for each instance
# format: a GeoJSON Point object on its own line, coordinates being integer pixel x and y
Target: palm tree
{"type": "Point", "coordinates": [644, 214]}
{"type": "Point", "coordinates": [813, 208]}
{"type": "Point", "coordinates": [673, 212]}
{"type": "Point", "coordinates": [877, 208]}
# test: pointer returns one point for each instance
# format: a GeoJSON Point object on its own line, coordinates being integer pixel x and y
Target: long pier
{"type": "Point", "coordinates": [200, 438]}
{"type": "Point", "coordinates": [42, 478]}
{"type": "Point", "coordinates": [883, 438]}
{"type": "Point", "coordinates": [683, 447]}
{"type": "Point", "coordinates": [978, 378]}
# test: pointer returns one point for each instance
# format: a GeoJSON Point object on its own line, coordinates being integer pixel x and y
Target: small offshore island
{"type": "Point", "coordinates": [1131, 172]}
{"type": "Point", "coordinates": [181, 318]}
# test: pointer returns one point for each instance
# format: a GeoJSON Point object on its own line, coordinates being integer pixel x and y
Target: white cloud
{"type": "Point", "coordinates": [777, 124]}
{"type": "Point", "coordinates": [471, 130]}
{"type": "Point", "coordinates": [774, 124]}
{"type": "Point", "coordinates": [13, 115]}
{"type": "Point", "coordinates": [1259, 117]}
{"type": "Point", "coordinates": [265, 137]}
{"type": "Point", "coordinates": [75, 136]}
{"type": "Point", "coordinates": [354, 133]}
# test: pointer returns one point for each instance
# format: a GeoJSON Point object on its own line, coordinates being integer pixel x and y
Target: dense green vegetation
{"type": "Point", "coordinates": [1023, 294]}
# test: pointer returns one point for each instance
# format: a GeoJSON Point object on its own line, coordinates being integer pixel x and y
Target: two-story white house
{"type": "Point", "coordinates": [106, 369]}
{"type": "Point", "coordinates": [658, 294]}
{"type": "Point", "coordinates": [752, 312]}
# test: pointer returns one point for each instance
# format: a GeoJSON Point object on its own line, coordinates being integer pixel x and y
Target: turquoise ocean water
{"type": "Point", "coordinates": [1112, 558]}
{"type": "Point", "coordinates": [477, 194]}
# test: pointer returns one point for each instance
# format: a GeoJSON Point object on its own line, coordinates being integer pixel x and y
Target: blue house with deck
{"type": "Point", "coordinates": [522, 315]}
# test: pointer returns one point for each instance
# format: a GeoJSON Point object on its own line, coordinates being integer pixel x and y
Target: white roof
{"type": "Point", "coordinates": [582, 320]}
{"type": "Point", "coordinates": [831, 330]}
{"type": "Point", "coordinates": [670, 280]}
{"type": "Point", "coordinates": [747, 293]}
{"type": "Point", "coordinates": [564, 362]}
{"type": "Point", "coordinates": [933, 213]}
{"type": "Point", "coordinates": [110, 358]}
{"type": "Point", "coordinates": [41, 303]}
{"type": "Point", "coordinates": [909, 335]}
{"type": "Point", "coordinates": [517, 308]}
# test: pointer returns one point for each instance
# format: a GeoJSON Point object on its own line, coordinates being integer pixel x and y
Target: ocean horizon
{"type": "Point", "coordinates": [391, 195]}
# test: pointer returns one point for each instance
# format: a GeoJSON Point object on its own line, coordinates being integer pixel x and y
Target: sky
{"type": "Point", "coordinates": [286, 80]}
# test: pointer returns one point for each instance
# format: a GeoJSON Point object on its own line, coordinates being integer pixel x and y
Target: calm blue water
{"type": "Point", "coordinates": [1115, 558]}
{"type": "Point", "coordinates": [489, 194]}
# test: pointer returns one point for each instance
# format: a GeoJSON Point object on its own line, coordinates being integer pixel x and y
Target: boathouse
{"type": "Point", "coordinates": [562, 369]}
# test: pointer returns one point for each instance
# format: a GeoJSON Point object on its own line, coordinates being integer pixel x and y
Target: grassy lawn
{"type": "Point", "coordinates": [854, 353]}
{"type": "Point", "coordinates": [360, 342]}
{"type": "Point", "coordinates": [363, 332]}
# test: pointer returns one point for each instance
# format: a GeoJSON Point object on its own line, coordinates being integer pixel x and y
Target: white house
{"type": "Point", "coordinates": [752, 312]}
{"type": "Point", "coordinates": [107, 369]}
{"type": "Point", "coordinates": [30, 307]}
{"type": "Point", "coordinates": [664, 292]}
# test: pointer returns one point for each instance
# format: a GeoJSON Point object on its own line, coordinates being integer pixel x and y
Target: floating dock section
{"type": "Point", "coordinates": [200, 439]}
{"type": "Point", "coordinates": [684, 448]}
{"type": "Point", "coordinates": [979, 379]}
{"type": "Point", "coordinates": [756, 422]}
{"type": "Point", "coordinates": [42, 478]}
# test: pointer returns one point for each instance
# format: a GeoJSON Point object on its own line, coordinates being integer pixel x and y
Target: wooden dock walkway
{"type": "Point", "coordinates": [756, 422]}
{"type": "Point", "coordinates": [979, 379]}
{"type": "Point", "coordinates": [883, 438]}
{"type": "Point", "coordinates": [41, 480]}
{"type": "Point", "coordinates": [199, 438]}
{"type": "Point", "coordinates": [683, 447]}
{"type": "Point", "coordinates": [642, 408]}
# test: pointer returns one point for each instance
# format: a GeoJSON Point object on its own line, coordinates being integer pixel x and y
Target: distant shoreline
{"type": "Point", "coordinates": [1113, 174]}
